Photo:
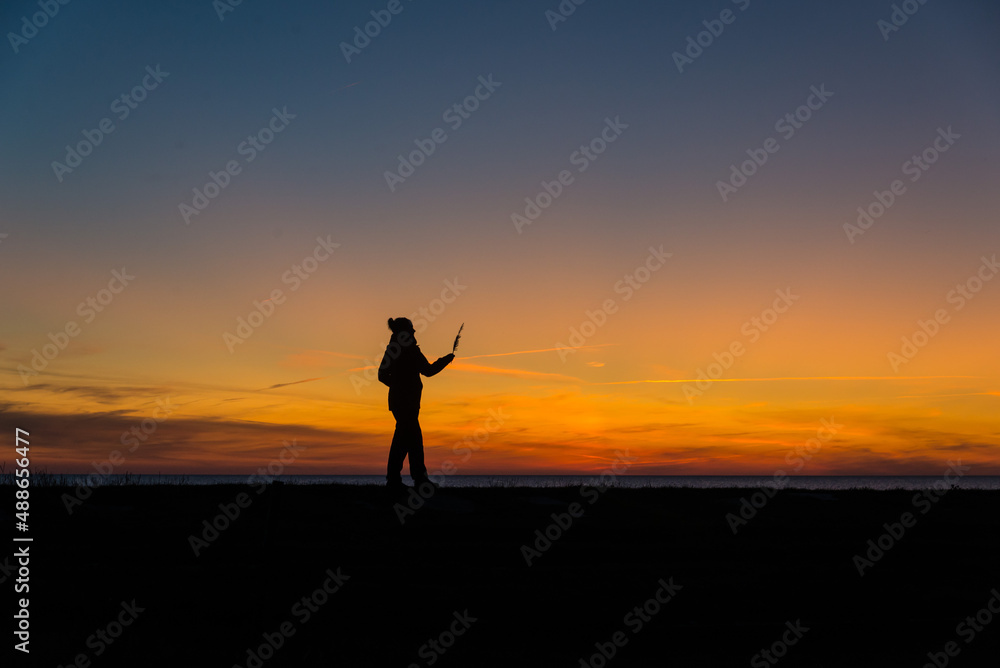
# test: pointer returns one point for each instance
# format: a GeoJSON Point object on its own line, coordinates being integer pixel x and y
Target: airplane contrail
{"type": "Point", "coordinates": [541, 350]}
{"type": "Point", "coordinates": [751, 380]}
{"type": "Point", "coordinates": [294, 382]}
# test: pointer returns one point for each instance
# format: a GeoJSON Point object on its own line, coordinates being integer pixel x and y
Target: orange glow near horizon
{"type": "Point", "coordinates": [536, 414]}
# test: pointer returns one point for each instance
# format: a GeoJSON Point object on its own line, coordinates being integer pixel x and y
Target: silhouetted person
{"type": "Point", "coordinates": [400, 369]}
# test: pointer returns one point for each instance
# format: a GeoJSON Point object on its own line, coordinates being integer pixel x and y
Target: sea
{"type": "Point", "coordinates": [623, 481]}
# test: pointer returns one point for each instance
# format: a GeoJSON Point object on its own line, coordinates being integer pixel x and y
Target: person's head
{"type": "Point", "coordinates": [401, 328]}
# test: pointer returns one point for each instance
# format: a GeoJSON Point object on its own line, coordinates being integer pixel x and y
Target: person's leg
{"type": "Point", "coordinates": [397, 451]}
{"type": "Point", "coordinates": [416, 450]}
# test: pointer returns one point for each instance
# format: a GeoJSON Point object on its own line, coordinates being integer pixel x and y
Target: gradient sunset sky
{"type": "Point", "coordinates": [539, 398]}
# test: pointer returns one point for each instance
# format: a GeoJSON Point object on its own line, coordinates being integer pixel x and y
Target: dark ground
{"type": "Point", "coordinates": [462, 551]}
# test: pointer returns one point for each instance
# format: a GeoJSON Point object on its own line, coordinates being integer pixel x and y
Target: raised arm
{"type": "Point", "coordinates": [429, 369]}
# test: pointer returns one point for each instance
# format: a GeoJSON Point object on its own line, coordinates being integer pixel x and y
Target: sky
{"type": "Point", "coordinates": [726, 237]}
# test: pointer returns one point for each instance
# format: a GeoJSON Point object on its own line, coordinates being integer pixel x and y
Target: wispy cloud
{"type": "Point", "coordinates": [959, 394]}
{"type": "Point", "coordinates": [540, 350]}
{"type": "Point", "coordinates": [294, 382]}
{"type": "Point", "coordinates": [781, 378]}
{"type": "Point", "coordinates": [102, 394]}
{"type": "Point", "coordinates": [517, 373]}
{"type": "Point", "coordinates": [309, 358]}
{"type": "Point", "coordinates": [184, 444]}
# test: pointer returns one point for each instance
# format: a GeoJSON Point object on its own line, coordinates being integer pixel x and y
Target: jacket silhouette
{"type": "Point", "coordinates": [400, 370]}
